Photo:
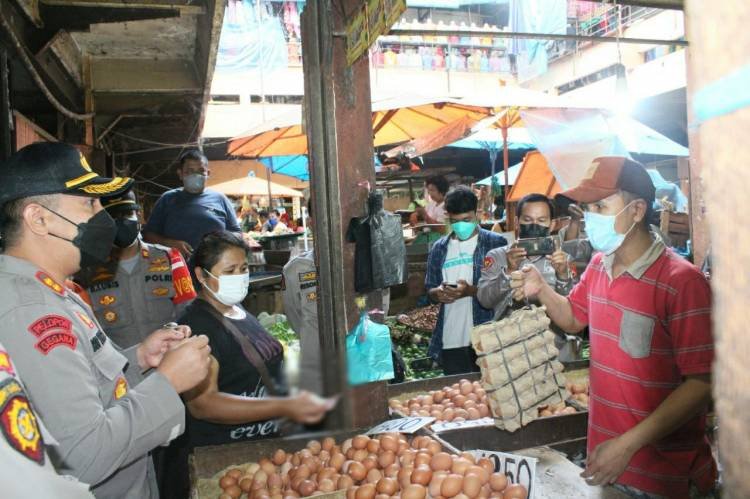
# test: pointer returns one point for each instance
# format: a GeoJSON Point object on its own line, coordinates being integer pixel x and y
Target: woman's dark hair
{"type": "Point", "coordinates": [212, 246]}
{"type": "Point", "coordinates": [263, 214]}
{"type": "Point", "coordinates": [460, 199]}
{"type": "Point", "coordinates": [440, 183]}
{"type": "Point", "coordinates": [535, 198]}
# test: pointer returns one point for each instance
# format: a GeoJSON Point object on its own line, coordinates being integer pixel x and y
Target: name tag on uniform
{"type": "Point", "coordinates": [308, 279]}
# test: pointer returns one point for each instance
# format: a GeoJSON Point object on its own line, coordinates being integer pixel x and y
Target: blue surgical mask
{"type": "Point", "coordinates": [463, 230]}
{"type": "Point", "coordinates": [601, 232]}
{"type": "Point", "coordinates": [194, 183]}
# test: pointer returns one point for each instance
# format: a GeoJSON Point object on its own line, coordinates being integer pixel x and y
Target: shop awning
{"type": "Point", "coordinates": [254, 186]}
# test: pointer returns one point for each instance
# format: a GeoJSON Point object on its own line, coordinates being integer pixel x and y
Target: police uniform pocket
{"type": "Point", "coordinates": [109, 362]}
{"type": "Point", "coordinates": [636, 331]}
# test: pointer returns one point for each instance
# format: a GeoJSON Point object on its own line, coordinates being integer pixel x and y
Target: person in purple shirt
{"type": "Point", "coordinates": [181, 217]}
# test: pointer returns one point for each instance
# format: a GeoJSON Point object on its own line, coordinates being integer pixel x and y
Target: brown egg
{"type": "Point", "coordinates": [314, 446]}
{"type": "Point", "coordinates": [382, 496]}
{"type": "Point", "coordinates": [466, 388]}
{"type": "Point", "coordinates": [482, 473]}
{"type": "Point", "coordinates": [246, 484]}
{"type": "Point", "coordinates": [452, 485]}
{"type": "Point", "coordinates": [484, 411]}
{"type": "Point", "coordinates": [291, 494]}
{"type": "Point", "coordinates": [545, 413]}
{"type": "Point", "coordinates": [468, 456]}
{"type": "Point", "coordinates": [351, 492]}
{"type": "Point", "coordinates": [402, 447]}
{"type": "Point", "coordinates": [487, 465]}
{"type": "Point", "coordinates": [366, 491]}
{"type": "Point", "coordinates": [307, 488]}
{"type": "Point", "coordinates": [267, 466]}
{"type": "Point", "coordinates": [285, 469]}
{"type": "Point", "coordinates": [392, 470]}
{"type": "Point", "coordinates": [328, 443]}
{"type": "Point", "coordinates": [227, 481]}
{"type": "Point", "coordinates": [473, 413]}
{"type": "Point", "coordinates": [461, 413]}
{"type": "Point", "coordinates": [360, 454]}
{"type": "Point", "coordinates": [296, 460]}
{"type": "Point", "coordinates": [235, 473]}
{"type": "Point", "coordinates": [414, 491]}
{"type": "Point", "coordinates": [472, 397]}
{"type": "Point", "coordinates": [360, 441]}
{"type": "Point", "coordinates": [441, 461]}
{"type": "Point", "coordinates": [336, 461]}
{"type": "Point", "coordinates": [370, 462]}
{"type": "Point", "coordinates": [498, 482]}
{"type": "Point", "coordinates": [387, 486]}
{"type": "Point", "coordinates": [373, 476]}
{"type": "Point", "coordinates": [515, 491]}
{"type": "Point", "coordinates": [448, 414]}
{"type": "Point", "coordinates": [438, 396]}
{"type": "Point", "coordinates": [389, 443]}
{"type": "Point", "coordinates": [459, 400]}
{"type": "Point", "coordinates": [274, 481]}
{"type": "Point", "coordinates": [326, 485]}
{"type": "Point", "coordinates": [423, 458]}
{"type": "Point", "coordinates": [486, 491]}
{"type": "Point", "coordinates": [435, 483]}
{"type": "Point", "coordinates": [357, 471]}
{"type": "Point", "coordinates": [350, 453]}
{"type": "Point", "coordinates": [470, 404]}
{"type": "Point", "coordinates": [472, 485]}
{"type": "Point", "coordinates": [460, 466]}
{"type": "Point", "coordinates": [407, 458]}
{"type": "Point", "coordinates": [233, 491]}
{"type": "Point", "coordinates": [422, 475]}
{"type": "Point", "coordinates": [404, 476]}
{"type": "Point", "coordinates": [295, 483]}
{"type": "Point", "coordinates": [324, 455]}
{"type": "Point", "coordinates": [434, 447]}
{"type": "Point", "coordinates": [373, 446]}
{"type": "Point", "coordinates": [260, 477]}
{"type": "Point", "coordinates": [346, 445]}
{"type": "Point", "coordinates": [322, 474]}
{"type": "Point", "coordinates": [344, 482]}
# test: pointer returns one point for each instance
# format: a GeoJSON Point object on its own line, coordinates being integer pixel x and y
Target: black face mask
{"type": "Point", "coordinates": [94, 238]}
{"type": "Point", "coordinates": [528, 231]}
{"type": "Point", "coordinates": [127, 232]}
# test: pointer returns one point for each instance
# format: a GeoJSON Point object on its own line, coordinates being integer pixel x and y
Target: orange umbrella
{"type": "Point", "coordinates": [450, 133]}
{"type": "Point", "coordinates": [535, 177]}
{"type": "Point", "coordinates": [394, 121]}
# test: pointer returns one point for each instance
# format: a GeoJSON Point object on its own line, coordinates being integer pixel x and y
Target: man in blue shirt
{"type": "Point", "coordinates": [453, 270]}
{"type": "Point", "coordinates": [181, 217]}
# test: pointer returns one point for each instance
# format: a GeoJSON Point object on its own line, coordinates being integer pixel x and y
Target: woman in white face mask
{"type": "Point", "coordinates": [243, 397]}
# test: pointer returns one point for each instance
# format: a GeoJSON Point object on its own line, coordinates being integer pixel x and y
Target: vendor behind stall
{"type": "Point", "coordinates": [243, 397]}
{"type": "Point", "coordinates": [453, 267]}
{"type": "Point", "coordinates": [142, 285]}
{"type": "Point", "coordinates": [434, 213]}
{"type": "Point", "coordinates": [649, 316]}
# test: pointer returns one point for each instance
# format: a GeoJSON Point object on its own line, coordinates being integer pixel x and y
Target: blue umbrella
{"type": "Point", "coordinates": [513, 172]}
{"type": "Point", "coordinates": [293, 166]}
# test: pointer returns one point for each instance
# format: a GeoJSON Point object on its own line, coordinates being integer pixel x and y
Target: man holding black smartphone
{"type": "Point", "coordinates": [453, 269]}
{"type": "Point", "coordinates": [535, 246]}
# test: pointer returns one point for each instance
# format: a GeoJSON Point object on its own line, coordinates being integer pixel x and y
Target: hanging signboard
{"type": "Point", "coordinates": [374, 19]}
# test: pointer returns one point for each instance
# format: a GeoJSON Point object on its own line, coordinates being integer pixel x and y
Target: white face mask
{"type": "Point", "coordinates": [232, 288]}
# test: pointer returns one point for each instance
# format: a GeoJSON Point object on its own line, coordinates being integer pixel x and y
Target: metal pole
{"type": "Point", "coordinates": [270, 203]}
{"type": "Point", "coordinates": [535, 36]}
{"type": "Point", "coordinates": [5, 115]}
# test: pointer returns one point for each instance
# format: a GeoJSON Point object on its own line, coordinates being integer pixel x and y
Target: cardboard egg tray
{"type": "Point", "coordinates": [520, 371]}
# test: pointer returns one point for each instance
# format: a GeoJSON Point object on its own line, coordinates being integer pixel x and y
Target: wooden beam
{"type": "Point", "coordinates": [144, 76]}
{"type": "Point", "coordinates": [64, 48]}
{"type": "Point", "coordinates": [31, 9]}
{"type": "Point", "coordinates": [184, 6]}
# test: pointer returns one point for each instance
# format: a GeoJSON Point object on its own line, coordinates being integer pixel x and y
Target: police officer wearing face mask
{"type": "Point", "coordinates": [142, 286]}
{"type": "Point", "coordinates": [535, 213]}
{"type": "Point", "coordinates": [181, 217]}
{"type": "Point", "coordinates": [98, 402]}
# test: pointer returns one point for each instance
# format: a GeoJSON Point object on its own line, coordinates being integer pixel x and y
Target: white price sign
{"type": "Point", "coordinates": [442, 426]}
{"type": "Point", "coordinates": [518, 469]}
{"type": "Point", "coordinates": [403, 425]}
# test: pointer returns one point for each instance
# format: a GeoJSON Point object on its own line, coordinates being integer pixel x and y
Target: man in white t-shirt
{"type": "Point", "coordinates": [453, 269]}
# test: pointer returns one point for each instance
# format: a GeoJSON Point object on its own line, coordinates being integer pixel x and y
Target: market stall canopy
{"type": "Point", "coordinates": [294, 166]}
{"type": "Point", "coordinates": [451, 132]}
{"type": "Point", "coordinates": [513, 172]}
{"type": "Point", "coordinates": [535, 176]}
{"type": "Point", "coordinates": [254, 186]}
{"type": "Point", "coordinates": [491, 138]}
{"type": "Point", "coordinates": [394, 121]}
{"type": "Point", "coordinates": [571, 138]}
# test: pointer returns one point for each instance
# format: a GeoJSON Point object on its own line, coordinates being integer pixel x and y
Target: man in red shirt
{"type": "Point", "coordinates": [649, 318]}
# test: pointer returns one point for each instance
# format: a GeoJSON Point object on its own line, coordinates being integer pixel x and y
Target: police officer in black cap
{"type": "Point", "coordinates": [142, 285]}
{"type": "Point", "coordinates": [95, 400]}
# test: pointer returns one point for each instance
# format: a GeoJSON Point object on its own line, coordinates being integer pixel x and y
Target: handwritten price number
{"type": "Point", "coordinates": [516, 468]}
{"type": "Point", "coordinates": [403, 425]}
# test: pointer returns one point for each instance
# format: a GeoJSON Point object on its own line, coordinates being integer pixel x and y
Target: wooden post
{"type": "Point", "coordinates": [5, 112]}
{"type": "Point", "coordinates": [339, 134]}
{"type": "Point", "coordinates": [723, 156]}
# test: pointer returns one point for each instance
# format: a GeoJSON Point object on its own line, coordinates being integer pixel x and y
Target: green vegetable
{"type": "Point", "coordinates": [283, 332]}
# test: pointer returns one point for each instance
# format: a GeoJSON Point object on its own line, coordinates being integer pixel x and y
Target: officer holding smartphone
{"type": "Point", "coordinates": [535, 213]}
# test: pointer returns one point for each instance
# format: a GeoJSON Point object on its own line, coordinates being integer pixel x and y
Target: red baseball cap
{"type": "Point", "coordinates": [609, 175]}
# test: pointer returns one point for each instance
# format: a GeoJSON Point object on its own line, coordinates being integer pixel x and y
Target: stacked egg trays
{"type": "Point", "coordinates": [520, 370]}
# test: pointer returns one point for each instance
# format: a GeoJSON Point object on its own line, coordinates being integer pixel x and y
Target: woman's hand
{"type": "Point", "coordinates": [308, 408]}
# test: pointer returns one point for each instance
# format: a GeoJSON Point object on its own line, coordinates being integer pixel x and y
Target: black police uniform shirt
{"type": "Point", "coordinates": [237, 375]}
